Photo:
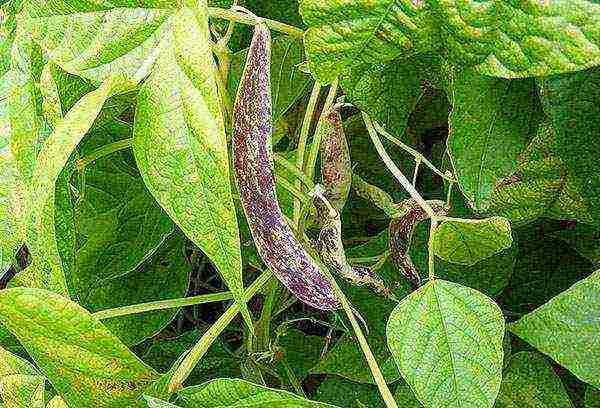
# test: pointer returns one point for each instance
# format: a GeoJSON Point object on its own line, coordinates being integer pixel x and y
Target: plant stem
{"type": "Point", "coordinates": [449, 195]}
{"type": "Point", "coordinates": [418, 156]}
{"type": "Point", "coordinates": [230, 28]}
{"type": "Point", "coordinates": [246, 19]}
{"type": "Point", "coordinates": [221, 78]}
{"type": "Point", "coordinates": [298, 195]}
{"type": "Point", "coordinates": [162, 304]}
{"type": "Point", "coordinates": [102, 151]}
{"type": "Point", "coordinates": [430, 255]}
{"type": "Point", "coordinates": [282, 161]}
{"type": "Point", "coordinates": [263, 325]}
{"type": "Point", "coordinates": [379, 264]}
{"type": "Point", "coordinates": [463, 220]}
{"type": "Point", "coordinates": [408, 187]}
{"type": "Point", "coordinates": [364, 345]}
{"type": "Point", "coordinates": [395, 170]}
{"type": "Point", "coordinates": [331, 94]}
{"type": "Point", "coordinates": [367, 259]}
{"type": "Point", "coordinates": [416, 172]}
{"type": "Point", "coordinates": [316, 144]}
{"type": "Point", "coordinates": [197, 352]}
{"type": "Point", "coordinates": [308, 115]}
{"type": "Point", "coordinates": [293, 379]}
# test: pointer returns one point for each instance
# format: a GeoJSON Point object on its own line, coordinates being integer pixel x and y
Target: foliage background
{"type": "Point", "coordinates": [504, 95]}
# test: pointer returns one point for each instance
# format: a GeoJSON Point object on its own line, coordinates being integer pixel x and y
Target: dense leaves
{"type": "Point", "coordinates": [505, 39]}
{"type": "Point", "coordinates": [491, 122]}
{"type": "Point", "coordinates": [529, 381]}
{"type": "Point", "coordinates": [575, 121]}
{"type": "Point", "coordinates": [566, 329]}
{"type": "Point", "coordinates": [439, 156]}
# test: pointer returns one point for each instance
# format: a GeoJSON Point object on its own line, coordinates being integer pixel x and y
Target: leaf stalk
{"type": "Point", "coordinates": [199, 350]}
{"type": "Point", "coordinates": [162, 305]}
{"type": "Point", "coordinates": [243, 18]}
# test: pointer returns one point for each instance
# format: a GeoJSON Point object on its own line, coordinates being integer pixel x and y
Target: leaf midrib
{"type": "Point", "coordinates": [446, 338]}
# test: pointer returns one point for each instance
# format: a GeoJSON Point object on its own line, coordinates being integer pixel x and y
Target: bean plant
{"type": "Point", "coordinates": [312, 203]}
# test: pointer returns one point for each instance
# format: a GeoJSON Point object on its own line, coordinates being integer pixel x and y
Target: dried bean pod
{"type": "Point", "coordinates": [330, 247]}
{"type": "Point", "coordinates": [336, 168]}
{"type": "Point", "coordinates": [254, 170]}
{"type": "Point", "coordinates": [401, 230]}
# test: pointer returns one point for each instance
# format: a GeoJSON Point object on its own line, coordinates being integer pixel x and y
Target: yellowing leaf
{"type": "Point", "coordinates": [467, 242]}
{"type": "Point", "coordinates": [86, 363]}
{"type": "Point", "coordinates": [22, 391]}
{"type": "Point", "coordinates": [180, 147]}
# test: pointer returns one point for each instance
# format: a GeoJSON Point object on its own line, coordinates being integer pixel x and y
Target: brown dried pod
{"type": "Point", "coordinates": [401, 230]}
{"type": "Point", "coordinates": [254, 170]}
{"type": "Point", "coordinates": [330, 247]}
{"type": "Point", "coordinates": [336, 168]}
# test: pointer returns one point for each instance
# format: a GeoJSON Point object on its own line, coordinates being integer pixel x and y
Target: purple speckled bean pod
{"type": "Point", "coordinates": [401, 230]}
{"type": "Point", "coordinates": [336, 167]}
{"type": "Point", "coordinates": [254, 170]}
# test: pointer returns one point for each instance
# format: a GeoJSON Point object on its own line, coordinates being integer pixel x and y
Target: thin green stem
{"type": "Point", "coordinates": [197, 352]}
{"type": "Point", "coordinates": [221, 77]}
{"type": "Point", "coordinates": [282, 327]}
{"type": "Point", "coordinates": [162, 305]}
{"type": "Point", "coordinates": [408, 187]}
{"type": "Point", "coordinates": [463, 220]}
{"type": "Point", "coordinates": [367, 259]}
{"type": "Point", "coordinates": [103, 151]}
{"type": "Point", "coordinates": [379, 264]}
{"type": "Point", "coordinates": [395, 170]}
{"type": "Point", "coordinates": [308, 116]}
{"type": "Point", "coordinates": [293, 379]}
{"type": "Point", "coordinates": [316, 144]}
{"type": "Point", "coordinates": [230, 28]}
{"type": "Point", "coordinates": [263, 325]}
{"type": "Point", "coordinates": [243, 18]}
{"type": "Point", "coordinates": [331, 94]}
{"type": "Point", "coordinates": [449, 195]}
{"type": "Point", "coordinates": [298, 195]}
{"type": "Point", "coordinates": [282, 161]}
{"type": "Point", "coordinates": [430, 254]}
{"type": "Point", "coordinates": [364, 345]}
{"type": "Point", "coordinates": [418, 156]}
